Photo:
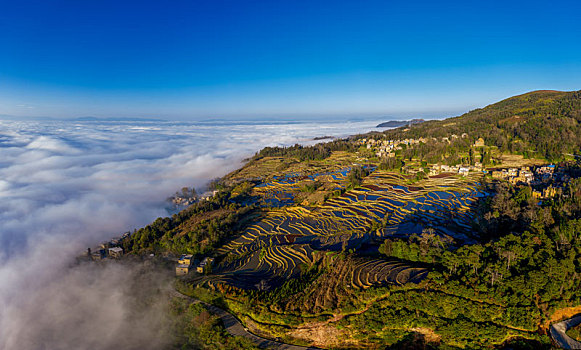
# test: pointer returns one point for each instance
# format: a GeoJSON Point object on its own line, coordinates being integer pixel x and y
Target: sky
{"type": "Point", "coordinates": [195, 60]}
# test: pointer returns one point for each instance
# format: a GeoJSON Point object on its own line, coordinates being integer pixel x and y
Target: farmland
{"type": "Point", "coordinates": [385, 253]}
{"type": "Point", "coordinates": [323, 253]}
{"type": "Point", "coordinates": [288, 237]}
{"type": "Point", "coordinates": [319, 251]}
{"type": "Point", "coordinates": [448, 234]}
{"type": "Point", "coordinates": [315, 231]}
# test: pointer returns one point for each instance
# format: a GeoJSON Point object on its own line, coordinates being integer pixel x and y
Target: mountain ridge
{"type": "Point", "coordinates": [526, 122]}
{"type": "Point", "coordinates": [399, 123]}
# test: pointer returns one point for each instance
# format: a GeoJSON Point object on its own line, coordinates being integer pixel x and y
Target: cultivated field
{"type": "Point", "coordinates": [292, 233]}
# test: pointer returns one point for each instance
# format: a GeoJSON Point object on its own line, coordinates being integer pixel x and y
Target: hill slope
{"type": "Point", "coordinates": [331, 246]}
{"type": "Point", "coordinates": [531, 122]}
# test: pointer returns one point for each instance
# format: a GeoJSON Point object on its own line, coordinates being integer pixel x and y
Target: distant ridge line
{"type": "Point", "coordinates": [399, 123]}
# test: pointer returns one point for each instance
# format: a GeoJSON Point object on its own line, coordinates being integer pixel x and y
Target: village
{"type": "Point", "coordinates": [186, 262]}
{"type": "Point", "coordinates": [546, 180]}
{"type": "Point", "coordinates": [112, 249]}
{"type": "Point", "coordinates": [389, 148]}
{"type": "Point", "coordinates": [107, 250]}
{"type": "Point", "coordinates": [186, 197]}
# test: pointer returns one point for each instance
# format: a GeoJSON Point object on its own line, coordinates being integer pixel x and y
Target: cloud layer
{"type": "Point", "coordinates": [68, 185]}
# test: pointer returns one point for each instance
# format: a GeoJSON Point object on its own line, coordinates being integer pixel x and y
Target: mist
{"type": "Point", "coordinates": [68, 185]}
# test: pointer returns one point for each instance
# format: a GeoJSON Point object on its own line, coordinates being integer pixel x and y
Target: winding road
{"type": "Point", "coordinates": [235, 327]}
{"type": "Point", "coordinates": [561, 338]}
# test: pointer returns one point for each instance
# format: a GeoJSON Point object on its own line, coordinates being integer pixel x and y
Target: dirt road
{"type": "Point", "coordinates": [561, 338]}
{"type": "Point", "coordinates": [235, 327]}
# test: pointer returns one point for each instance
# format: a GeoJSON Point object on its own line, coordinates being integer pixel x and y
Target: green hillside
{"type": "Point", "coordinates": [545, 122]}
{"type": "Point", "coordinates": [411, 237]}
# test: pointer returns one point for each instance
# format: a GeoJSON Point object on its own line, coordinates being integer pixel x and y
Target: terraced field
{"type": "Point", "coordinates": [375, 271]}
{"type": "Point", "coordinates": [275, 247]}
{"type": "Point", "coordinates": [273, 263]}
{"type": "Point", "coordinates": [281, 190]}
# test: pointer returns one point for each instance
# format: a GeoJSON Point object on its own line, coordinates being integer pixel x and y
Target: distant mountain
{"type": "Point", "coordinates": [399, 123]}
{"type": "Point", "coordinates": [324, 138]}
{"type": "Point", "coordinates": [113, 119]}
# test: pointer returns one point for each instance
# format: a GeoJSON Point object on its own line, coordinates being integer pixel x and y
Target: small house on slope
{"type": "Point", "coordinates": [182, 270]}
{"type": "Point", "coordinates": [186, 259]}
{"type": "Point", "coordinates": [206, 265]}
{"type": "Point", "coordinates": [116, 252]}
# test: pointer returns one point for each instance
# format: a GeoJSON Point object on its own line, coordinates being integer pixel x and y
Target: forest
{"type": "Point", "coordinates": [303, 153]}
{"type": "Point", "coordinates": [528, 259]}
{"type": "Point", "coordinates": [196, 230]}
{"type": "Point", "coordinates": [527, 124]}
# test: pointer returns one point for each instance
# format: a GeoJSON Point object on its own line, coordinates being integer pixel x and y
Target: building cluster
{"type": "Point", "coordinates": [539, 175]}
{"type": "Point", "coordinates": [547, 192]}
{"type": "Point", "coordinates": [547, 179]}
{"type": "Point", "coordinates": [207, 195]}
{"type": "Point", "coordinates": [110, 249]}
{"type": "Point", "coordinates": [387, 148]}
{"type": "Point", "coordinates": [455, 169]}
{"type": "Point", "coordinates": [452, 137]}
{"type": "Point", "coordinates": [186, 262]}
{"type": "Point", "coordinates": [515, 176]}
{"type": "Point", "coordinates": [180, 201]}
{"type": "Point", "coordinates": [205, 266]}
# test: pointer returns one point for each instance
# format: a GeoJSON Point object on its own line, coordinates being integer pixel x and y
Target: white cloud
{"type": "Point", "coordinates": [65, 186]}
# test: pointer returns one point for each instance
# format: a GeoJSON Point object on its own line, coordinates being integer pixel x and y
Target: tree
{"type": "Point", "coordinates": [356, 176]}
{"type": "Point", "coordinates": [509, 256]}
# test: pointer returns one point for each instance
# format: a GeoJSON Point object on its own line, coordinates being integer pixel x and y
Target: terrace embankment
{"type": "Point", "coordinates": [282, 240]}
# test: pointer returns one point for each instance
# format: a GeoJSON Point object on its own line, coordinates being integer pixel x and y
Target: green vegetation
{"type": "Point", "coordinates": [391, 164]}
{"type": "Point", "coordinates": [312, 187]}
{"type": "Point", "coordinates": [526, 273]}
{"type": "Point", "coordinates": [371, 242]}
{"type": "Point", "coordinates": [197, 229]}
{"type": "Point", "coordinates": [356, 176]}
{"type": "Point", "coordinates": [199, 329]}
{"type": "Point", "coordinates": [528, 124]}
{"type": "Point", "coordinates": [575, 332]}
{"type": "Point", "coordinates": [317, 152]}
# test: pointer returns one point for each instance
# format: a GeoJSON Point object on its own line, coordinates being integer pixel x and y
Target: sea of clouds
{"type": "Point", "coordinates": [68, 185]}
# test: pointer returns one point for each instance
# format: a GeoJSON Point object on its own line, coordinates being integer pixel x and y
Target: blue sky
{"type": "Point", "coordinates": [272, 59]}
